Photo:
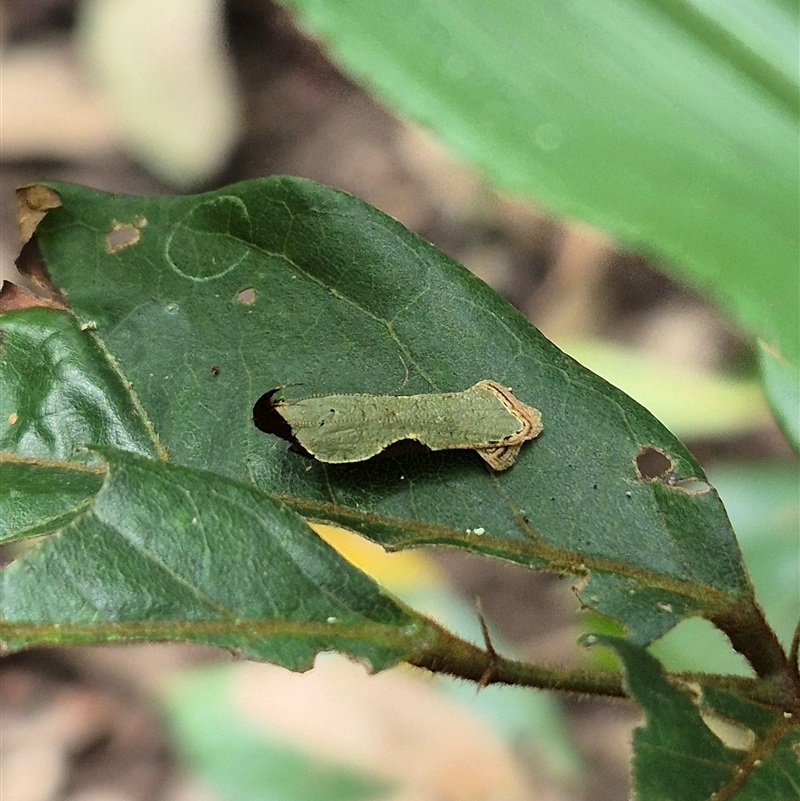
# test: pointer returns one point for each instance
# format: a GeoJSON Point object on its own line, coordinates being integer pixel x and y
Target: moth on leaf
{"type": "Point", "coordinates": [337, 429]}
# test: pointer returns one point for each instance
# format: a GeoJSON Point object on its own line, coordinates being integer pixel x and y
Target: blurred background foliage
{"type": "Point", "coordinates": [671, 125]}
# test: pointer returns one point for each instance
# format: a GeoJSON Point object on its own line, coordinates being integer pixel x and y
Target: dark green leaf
{"type": "Point", "coordinates": [670, 124]}
{"type": "Point", "coordinates": [694, 746]}
{"type": "Point", "coordinates": [168, 553]}
{"type": "Point", "coordinates": [281, 282]}
{"type": "Point", "coordinates": [37, 497]}
{"type": "Point", "coordinates": [60, 391]}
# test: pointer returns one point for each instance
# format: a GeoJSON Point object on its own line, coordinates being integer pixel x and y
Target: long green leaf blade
{"type": "Point", "coordinates": [672, 124]}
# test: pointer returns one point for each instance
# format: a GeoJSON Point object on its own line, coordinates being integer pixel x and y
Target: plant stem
{"type": "Point", "coordinates": [461, 659]}
{"type": "Point", "coordinates": [751, 635]}
{"type": "Point", "coordinates": [464, 660]}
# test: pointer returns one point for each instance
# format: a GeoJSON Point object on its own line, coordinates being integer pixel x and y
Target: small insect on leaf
{"type": "Point", "coordinates": [486, 418]}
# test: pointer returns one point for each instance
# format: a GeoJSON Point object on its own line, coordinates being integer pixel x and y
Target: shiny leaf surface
{"type": "Point", "coordinates": [281, 282]}
{"type": "Point", "coordinates": [167, 553]}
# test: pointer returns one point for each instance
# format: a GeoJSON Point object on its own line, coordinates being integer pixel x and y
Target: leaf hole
{"type": "Point", "coordinates": [246, 297]}
{"type": "Point", "coordinates": [266, 418]}
{"type": "Point", "coordinates": [653, 463]}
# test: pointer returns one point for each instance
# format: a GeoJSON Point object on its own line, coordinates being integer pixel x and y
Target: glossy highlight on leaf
{"type": "Point", "coordinates": [59, 393]}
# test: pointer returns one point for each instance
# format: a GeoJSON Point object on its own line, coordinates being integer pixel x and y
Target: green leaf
{"type": "Point", "coordinates": [670, 124]}
{"type": "Point", "coordinates": [37, 497]}
{"type": "Point", "coordinates": [60, 391]}
{"type": "Point", "coordinates": [244, 764]}
{"type": "Point", "coordinates": [782, 385]}
{"type": "Point", "coordinates": [709, 742]}
{"type": "Point", "coordinates": [219, 298]}
{"type": "Point", "coordinates": [168, 553]}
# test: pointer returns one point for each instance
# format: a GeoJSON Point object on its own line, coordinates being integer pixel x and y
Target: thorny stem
{"type": "Point", "coordinates": [487, 641]}
{"type": "Point", "coordinates": [465, 660]}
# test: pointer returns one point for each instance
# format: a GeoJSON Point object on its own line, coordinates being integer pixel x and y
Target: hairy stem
{"type": "Point", "coordinates": [751, 635]}
{"type": "Point", "coordinates": [464, 660]}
